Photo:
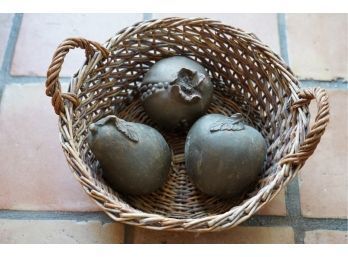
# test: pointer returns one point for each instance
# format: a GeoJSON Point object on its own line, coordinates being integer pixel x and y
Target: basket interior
{"type": "Point", "coordinates": [247, 78]}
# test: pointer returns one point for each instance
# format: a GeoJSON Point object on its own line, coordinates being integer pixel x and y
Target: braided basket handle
{"type": "Point", "coordinates": [312, 138]}
{"type": "Point", "coordinates": [53, 88]}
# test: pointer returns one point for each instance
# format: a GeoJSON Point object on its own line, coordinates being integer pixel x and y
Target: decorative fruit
{"type": "Point", "coordinates": [176, 91]}
{"type": "Point", "coordinates": [135, 158]}
{"type": "Point", "coordinates": [223, 155]}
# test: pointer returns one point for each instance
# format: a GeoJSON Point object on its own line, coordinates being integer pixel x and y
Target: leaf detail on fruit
{"type": "Point", "coordinates": [127, 130]}
{"type": "Point", "coordinates": [233, 123]}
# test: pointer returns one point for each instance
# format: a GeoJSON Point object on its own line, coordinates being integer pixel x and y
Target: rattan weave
{"type": "Point", "coordinates": [248, 78]}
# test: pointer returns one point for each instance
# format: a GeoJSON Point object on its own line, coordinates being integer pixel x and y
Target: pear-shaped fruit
{"type": "Point", "coordinates": [135, 158]}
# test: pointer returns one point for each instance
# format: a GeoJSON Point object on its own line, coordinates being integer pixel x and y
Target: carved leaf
{"type": "Point", "coordinates": [127, 130]}
{"type": "Point", "coordinates": [227, 124]}
{"type": "Point", "coordinates": [216, 126]}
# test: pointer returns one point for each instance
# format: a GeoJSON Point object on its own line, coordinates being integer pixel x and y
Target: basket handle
{"type": "Point", "coordinates": [312, 138]}
{"type": "Point", "coordinates": [53, 88]}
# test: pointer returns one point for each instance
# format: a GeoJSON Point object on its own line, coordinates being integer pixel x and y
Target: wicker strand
{"type": "Point", "coordinates": [318, 128]}
{"type": "Point", "coordinates": [53, 88]}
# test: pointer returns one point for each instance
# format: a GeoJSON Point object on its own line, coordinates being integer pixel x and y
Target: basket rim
{"type": "Point", "coordinates": [118, 211]}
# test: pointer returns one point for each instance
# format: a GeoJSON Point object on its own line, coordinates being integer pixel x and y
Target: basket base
{"type": "Point", "coordinates": [179, 198]}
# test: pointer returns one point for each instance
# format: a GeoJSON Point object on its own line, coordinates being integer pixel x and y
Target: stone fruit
{"type": "Point", "coordinates": [175, 92]}
{"type": "Point", "coordinates": [135, 158]}
{"type": "Point", "coordinates": [223, 155]}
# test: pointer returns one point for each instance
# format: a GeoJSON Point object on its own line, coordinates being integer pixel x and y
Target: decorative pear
{"type": "Point", "coordinates": [175, 92]}
{"type": "Point", "coordinates": [135, 158]}
{"type": "Point", "coordinates": [223, 155]}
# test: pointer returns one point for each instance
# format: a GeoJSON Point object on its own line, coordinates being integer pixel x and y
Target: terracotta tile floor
{"type": "Point", "coordinates": [35, 177]}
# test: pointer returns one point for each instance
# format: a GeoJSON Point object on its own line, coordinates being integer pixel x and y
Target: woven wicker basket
{"type": "Point", "coordinates": [248, 77]}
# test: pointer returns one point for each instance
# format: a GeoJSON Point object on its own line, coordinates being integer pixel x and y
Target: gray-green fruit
{"type": "Point", "coordinates": [176, 91]}
{"type": "Point", "coordinates": [135, 158]}
{"type": "Point", "coordinates": [223, 155]}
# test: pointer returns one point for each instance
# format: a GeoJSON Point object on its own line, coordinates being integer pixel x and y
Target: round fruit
{"type": "Point", "coordinates": [223, 155]}
{"type": "Point", "coordinates": [176, 91]}
{"type": "Point", "coordinates": [135, 158]}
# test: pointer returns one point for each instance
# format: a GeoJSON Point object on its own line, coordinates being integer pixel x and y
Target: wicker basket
{"type": "Point", "coordinates": [248, 78]}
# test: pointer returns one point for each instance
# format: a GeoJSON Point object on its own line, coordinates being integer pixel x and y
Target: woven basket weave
{"type": "Point", "coordinates": [248, 78]}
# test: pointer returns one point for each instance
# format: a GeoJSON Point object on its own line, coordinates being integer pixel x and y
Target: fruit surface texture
{"type": "Point", "coordinates": [223, 155]}
{"type": "Point", "coordinates": [134, 157]}
{"type": "Point", "coordinates": [176, 91]}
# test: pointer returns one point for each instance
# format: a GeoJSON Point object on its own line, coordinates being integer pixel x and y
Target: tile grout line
{"type": "Point", "coordinates": [325, 224]}
{"type": "Point", "coordinates": [11, 42]}
{"type": "Point", "coordinates": [9, 52]}
{"type": "Point", "coordinates": [283, 40]}
{"type": "Point", "coordinates": [292, 195]}
{"type": "Point", "coordinates": [54, 215]}
{"type": "Point", "coordinates": [257, 220]}
{"type": "Point", "coordinates": [333, 84]}
{"type": "Point", "coordinates": [293, 207]}
{"type": "Point", "coordinates": [128, 234]}
{"type": "Point", "coordinates": [307, 223]}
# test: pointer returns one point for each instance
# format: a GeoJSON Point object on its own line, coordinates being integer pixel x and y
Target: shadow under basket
{"type": "Point", "coordinates": [248, 78]}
